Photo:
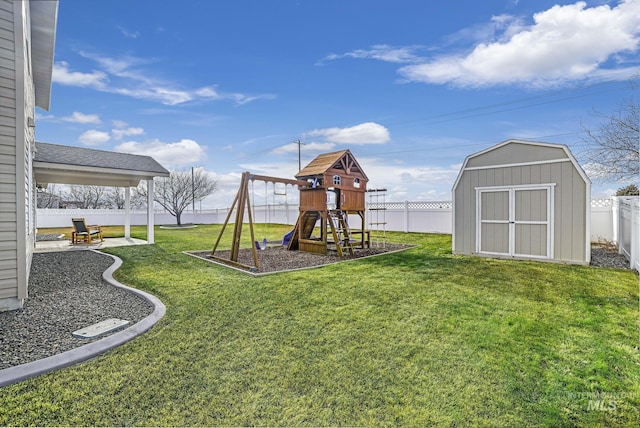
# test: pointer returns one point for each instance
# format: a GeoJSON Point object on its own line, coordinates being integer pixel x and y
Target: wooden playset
{"type": "Point", "coordinates": [332, 190]}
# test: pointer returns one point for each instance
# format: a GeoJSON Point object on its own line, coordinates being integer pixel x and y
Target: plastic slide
{"type": "Point", "coordinates": [287, 237]}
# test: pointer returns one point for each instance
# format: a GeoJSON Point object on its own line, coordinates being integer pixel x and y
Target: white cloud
{"type": "Point", "coordinates": [165, 96]}
{"type": "Point", "coordinates": [179, 154]}
{"type": "Point", "coordinates": [119, 133]}
{"type": "Point", "coordinates": [380, 52]}
{"type": "Point", "coordinates": [40, 116]}
{"type": "Point", "coordinates": [498, 28]}
{"type": "Point", "coordinates": [82, 118]}
{"type": "Point", "coordinates": [564, 43]}
{"type": "Point", "coordinates": [364, 133]}
{"type": "Point", "coordinates": [93, 137]}
{"type": "Point", "coordinates": [130, 76]}
{"type": "Point", "coordinates": [129, 34]}
{"type": "Point", "coordinates": [125, 67]}
{"type": "Point", "coordinates": [62, 74]}
{"type": "Point", "coordinates": [409, 182]}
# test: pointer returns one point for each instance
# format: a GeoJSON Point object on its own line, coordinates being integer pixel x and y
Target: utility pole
{"type": "Point", "coordinates": [193, 194]}
{"type": "Point", "coordinates": [299, 143]}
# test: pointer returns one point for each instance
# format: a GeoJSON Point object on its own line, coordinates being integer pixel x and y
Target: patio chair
{"type": "Point", "coordinates": [84, 233]}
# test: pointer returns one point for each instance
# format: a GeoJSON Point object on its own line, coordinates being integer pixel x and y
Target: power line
{"type": "Point", "coordinates": [484, 143]}
{"type": "Point", "coordinates": [463, 114]}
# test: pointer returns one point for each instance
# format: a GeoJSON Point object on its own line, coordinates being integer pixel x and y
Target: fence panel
{"type": "Point", "coordinates": [629, 230]}
{"type": "Point", "coordinates": [612, 219]}
{"type": "Point", "coordinates": [602, 224]}
{"type": "Point", "coordinates": [425, 217]}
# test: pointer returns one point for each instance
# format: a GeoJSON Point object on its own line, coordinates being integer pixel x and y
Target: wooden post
{"type": "Point", "coordinates": [240, 203]}
{"type": "Point", "coordinates": [237, 229]}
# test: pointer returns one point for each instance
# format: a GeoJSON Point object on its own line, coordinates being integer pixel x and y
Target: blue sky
{"type": "Point", "coordinates": [410, 87]}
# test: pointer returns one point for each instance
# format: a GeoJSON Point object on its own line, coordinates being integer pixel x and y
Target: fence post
{"type": "Point", "coordinates": [127, 212]}
{"type": "Point", "coordinates": [615, 217]}
{"type": "Point", "coordinates": [634, 234]}
{"type": "Point", "coordinates": [406, 216]}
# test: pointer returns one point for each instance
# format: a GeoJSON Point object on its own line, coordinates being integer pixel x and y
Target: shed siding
{"type": "Point", "coordinates": [569, 215]}
{"type": "Point", "coordinates": [8, 159]}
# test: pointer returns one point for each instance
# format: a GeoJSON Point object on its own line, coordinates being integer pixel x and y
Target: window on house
{"type": "Point", "coordinates": [356, 183]}
{"type": "Point", "coordinates": [337, 180]}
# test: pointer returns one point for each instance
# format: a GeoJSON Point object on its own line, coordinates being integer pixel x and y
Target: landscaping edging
{"type": "Point", "coordinates": [22, 372]}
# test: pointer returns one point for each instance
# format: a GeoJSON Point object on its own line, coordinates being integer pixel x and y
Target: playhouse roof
{"type": "Point", "coordinates": [342, 159]}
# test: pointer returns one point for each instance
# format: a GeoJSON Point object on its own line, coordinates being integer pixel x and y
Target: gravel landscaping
{"type": "Point", "coordinates": [606, 255]}
{"type": "Point", "coordinates": [66, 293]}
{"type": "Point", "coordinates": [49, 237]}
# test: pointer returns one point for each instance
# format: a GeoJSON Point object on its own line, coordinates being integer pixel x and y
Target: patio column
{"type": "Point", "coordinates": [150, 219]}
{"type": "Point", "coordinates": [127, 212]}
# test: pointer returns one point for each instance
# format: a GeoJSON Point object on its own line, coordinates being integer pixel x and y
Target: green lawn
{"type": "Point", "coordinates": [416, 338]}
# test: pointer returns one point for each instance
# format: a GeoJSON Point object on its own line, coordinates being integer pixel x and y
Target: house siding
{"type": "Point", "coordinates": [29, 101]}
{"type": "Point", "coordinates": [25, 139]}
{"type": "Point", "coordinates": [8, 159]}
{"type": "Point", "coordinates": [17, 97]}
{"type": "Point", "coordinates": [569, 195]}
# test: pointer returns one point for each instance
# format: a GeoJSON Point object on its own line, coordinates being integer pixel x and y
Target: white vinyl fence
{"type": "Point", "coordinates": [628, 227]}
{"type": "Point", "coordinates": [614, 219]}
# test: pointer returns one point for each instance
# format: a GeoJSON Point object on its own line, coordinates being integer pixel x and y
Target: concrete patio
{"type": "Point", "coordinates": [66, 245]}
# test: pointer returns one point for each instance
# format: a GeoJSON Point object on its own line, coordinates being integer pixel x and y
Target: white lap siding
{"type": "Point", "coordinates": [16, 143]}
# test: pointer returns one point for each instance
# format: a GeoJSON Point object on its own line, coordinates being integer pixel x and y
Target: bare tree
{"type": "Point", "coordinates": [87, 197]}
{"type": "Point", "coordinates": [181, 189]}
{"type": "Point", "coordinates": [613, 149]}
{"type": "Point", "coordinates": [114, 198]}
{"type": "Point", "coordinates": [48, 198]}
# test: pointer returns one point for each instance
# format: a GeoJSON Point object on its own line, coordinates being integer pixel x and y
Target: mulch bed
{"type": "Point", "coordinates": [278, 259]}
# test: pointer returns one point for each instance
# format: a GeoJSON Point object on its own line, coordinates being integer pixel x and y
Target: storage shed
{"type": "Point", "coordinates": [523, 200]}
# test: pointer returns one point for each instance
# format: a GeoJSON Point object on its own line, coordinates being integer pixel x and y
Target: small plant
{"type": "Point", "coordinates": [606, 245]}
{"type": "Point", "coordinates": [630, 190]}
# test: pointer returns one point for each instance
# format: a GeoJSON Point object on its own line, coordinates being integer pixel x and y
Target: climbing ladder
{"type": "Point", "coordinates": [377, 213]}
{"type": "Point", "coordinates": [340, 231]}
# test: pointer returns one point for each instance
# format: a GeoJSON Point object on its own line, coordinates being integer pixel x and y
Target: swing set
{"type": "Point", "coordinates": [332, 187]}
{"type": "Point", "coordinates": [241, 205]}
{"type": "Point", "coordinates": [267, 210]}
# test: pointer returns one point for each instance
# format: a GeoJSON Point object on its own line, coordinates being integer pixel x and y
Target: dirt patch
{"type": "Point", "coordinates": [278, 259]}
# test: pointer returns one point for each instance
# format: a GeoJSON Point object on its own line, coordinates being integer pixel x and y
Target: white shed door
{"type": "Point", "coordinates": [515, 221]}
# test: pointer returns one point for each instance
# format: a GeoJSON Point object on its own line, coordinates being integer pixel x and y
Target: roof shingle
{"type": "Point", "coordinates": [68, 155]}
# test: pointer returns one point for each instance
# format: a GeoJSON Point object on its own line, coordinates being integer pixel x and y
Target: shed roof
{"type": "Point", "coordinates": [54, 163]}
{"type": "Point", "coordinates": [342, 159]}
{"type": "Point", "coordinates": [529, 153]}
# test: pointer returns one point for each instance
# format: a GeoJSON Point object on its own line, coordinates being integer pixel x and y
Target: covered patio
{"type": "Point", "coordinates": [60, 164]}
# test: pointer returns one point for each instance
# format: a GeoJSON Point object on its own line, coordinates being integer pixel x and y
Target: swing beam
{"type": "Point", "coordinates": [239, 204]}
{"type": "Point", "coordinates": [269, 179]}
